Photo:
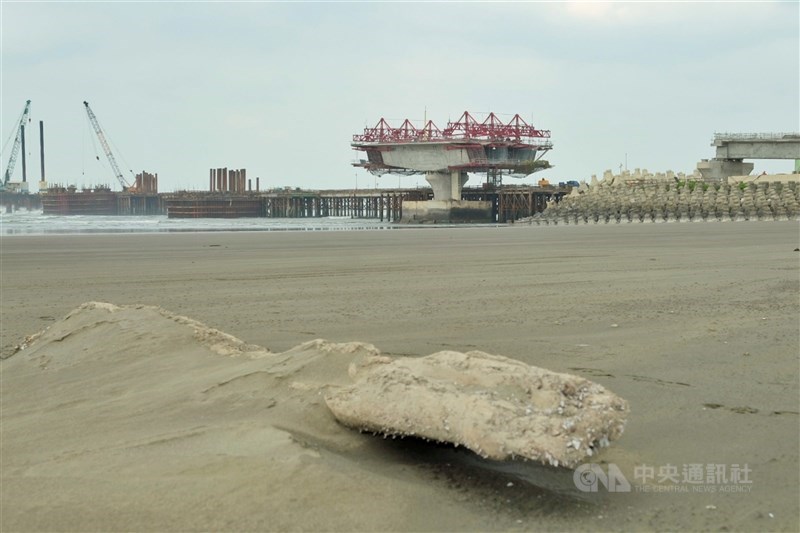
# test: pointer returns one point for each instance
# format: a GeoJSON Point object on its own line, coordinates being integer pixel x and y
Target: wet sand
{"type": "Point", "coordinates": [696, 325]}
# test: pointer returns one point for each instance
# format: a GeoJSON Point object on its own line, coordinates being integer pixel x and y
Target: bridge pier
{"type": "Point", "coordinates": [447, 205]}
{"type": "Point", "coordinates": [722, 169]}
{"type": "Point", "coordinates": [446, 185]}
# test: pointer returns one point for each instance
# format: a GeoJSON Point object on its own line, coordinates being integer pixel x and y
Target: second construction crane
{"type": "Point", "coordinates": [107, 149]}
{"type": "Point", "coordinates": [19, 141]}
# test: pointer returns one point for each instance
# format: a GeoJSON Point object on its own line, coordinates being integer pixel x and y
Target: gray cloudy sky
{"type": "Point", "coordinates": [279, 88]}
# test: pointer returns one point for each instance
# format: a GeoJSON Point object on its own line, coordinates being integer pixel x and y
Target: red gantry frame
{"type": "Point", "coordinates": [464, 129]}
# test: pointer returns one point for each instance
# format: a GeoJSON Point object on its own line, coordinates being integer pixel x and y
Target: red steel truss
{"type": "Point", "coordinates": [465, 128]}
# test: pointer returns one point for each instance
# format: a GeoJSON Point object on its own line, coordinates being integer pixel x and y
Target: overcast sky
{"type": "Point", "coordinates": [280, 88]}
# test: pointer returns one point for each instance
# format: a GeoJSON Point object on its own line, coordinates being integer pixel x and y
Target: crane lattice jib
{"type": "Point", "coordinates": [12, 160]}
{"type": "Point", "coordinates": [106, 148]}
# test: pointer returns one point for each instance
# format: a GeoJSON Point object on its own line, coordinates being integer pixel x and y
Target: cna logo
{"type": "Point", "coordinates": [588, 476]}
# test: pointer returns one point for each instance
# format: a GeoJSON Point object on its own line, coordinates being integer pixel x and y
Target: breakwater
{"type": "Point", "coordinates": [683, 200]}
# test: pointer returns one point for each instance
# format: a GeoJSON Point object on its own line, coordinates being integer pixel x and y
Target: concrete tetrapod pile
{"type": "Point", "coordinates": [663, 198]}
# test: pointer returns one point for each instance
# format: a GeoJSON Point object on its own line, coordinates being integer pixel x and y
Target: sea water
{"type": "Point", "coordinates": [24, 222]}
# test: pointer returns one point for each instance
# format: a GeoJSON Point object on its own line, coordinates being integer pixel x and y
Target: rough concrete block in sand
{"type": "Point", "coordinates": [497, 407]}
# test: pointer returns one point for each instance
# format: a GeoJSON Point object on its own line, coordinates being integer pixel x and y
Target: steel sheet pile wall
{"type": "Point", "coordinates": [72, 202]}
{"type": "Point", "coordinates": [215, 206]}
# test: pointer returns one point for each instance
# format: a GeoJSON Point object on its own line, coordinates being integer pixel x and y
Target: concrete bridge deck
{"type": "Point", "coordinates": [757, 145]}
{"type": "Point", "coordinates": [734, 148]}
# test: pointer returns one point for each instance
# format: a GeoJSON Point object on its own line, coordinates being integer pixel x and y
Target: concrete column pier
{"type": "Point", "coordinates": [446, 185]}
{"type": "Point", "coordinates": [447, 205]}
{"type": "Point", "coordinates": [721, 169]}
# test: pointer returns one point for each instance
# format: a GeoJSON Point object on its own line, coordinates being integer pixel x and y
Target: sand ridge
{"type": "Point", "coordinates": [137, 391]}
{"type": "Point", "coordinates": [498, 407]}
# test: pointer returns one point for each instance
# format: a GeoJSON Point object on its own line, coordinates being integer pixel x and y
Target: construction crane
{"type": "Point", "coordinates": [12, 160]}
{"type": "Point", "coordinates": [107, 149]}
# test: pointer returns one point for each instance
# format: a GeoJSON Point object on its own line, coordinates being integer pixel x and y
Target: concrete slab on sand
{"type": "Point", "coordinates": [497, 407]}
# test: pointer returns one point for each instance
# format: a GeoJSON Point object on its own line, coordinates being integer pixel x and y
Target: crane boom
{"type": "Point", "coordinates": [12, 160]}
{"type": "Point", "coordinates": [106, 148]}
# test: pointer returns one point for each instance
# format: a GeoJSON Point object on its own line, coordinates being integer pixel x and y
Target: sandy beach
{"type": "Point", "coordinates": [695, 325]}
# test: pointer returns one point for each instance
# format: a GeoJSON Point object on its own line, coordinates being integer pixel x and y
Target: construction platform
{"type": "Point", "coordinates": [445, 156]}
{"type": "Point", "coordinates": [465, 145]}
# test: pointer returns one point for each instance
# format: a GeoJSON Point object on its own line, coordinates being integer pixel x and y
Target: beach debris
{"type": "Point", "coordinates": [499, 408]}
